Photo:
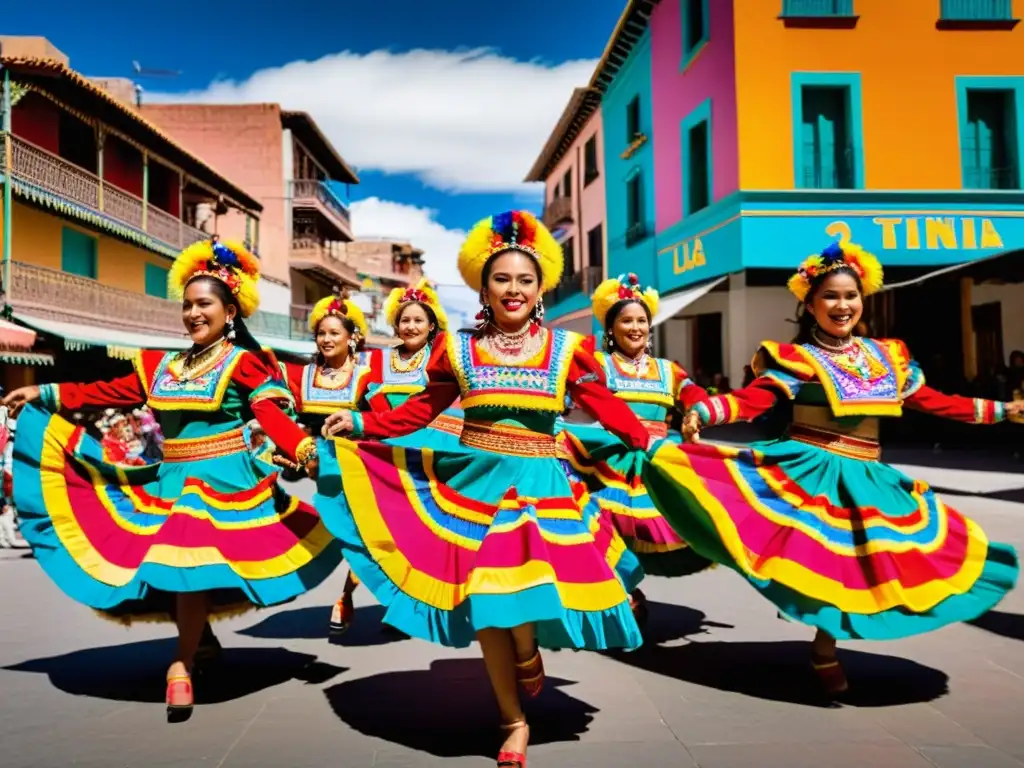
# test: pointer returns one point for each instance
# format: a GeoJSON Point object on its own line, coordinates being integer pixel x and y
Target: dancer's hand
{"type": "Point", "coordinates": [1014, 409]}
{"type": "Point", "coordinates": [19, 397]}
{"type": "Point", "coordinates": [283, 461]}
{"type": "Point", "coordinates": [691, 427]}
{"type": "Point", "coordinates": [338, 423]}
{"type": "Point", "coordinates": [313, 468]}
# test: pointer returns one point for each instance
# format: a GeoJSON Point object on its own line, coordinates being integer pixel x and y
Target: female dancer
{"type": "Point", "coordinates": [489, 541]}
{"type": "Point", "coordinates": [816, 523]}
{"type": "Point", "coordinates": [204, 533]}
{"type": "Point", "coordinates": [651, 387]}
{"type": "Point", "coordinates": [338, 378]}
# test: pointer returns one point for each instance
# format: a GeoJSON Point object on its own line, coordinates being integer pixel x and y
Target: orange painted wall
{"type": "Point", "coordinates": [908, 70]}
{"type": "Point", "coordinates": [36, 236]}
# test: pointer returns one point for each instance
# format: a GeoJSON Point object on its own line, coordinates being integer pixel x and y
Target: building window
{"type": "Point", "coordinates": [156, 281]}
{"type": "Point", "coordinates": [812, 9]}
{"type": "Point", "coordinates": [595, 247]}
{"type": "Point", "coordinates": [989, 146]}
{"type": "Point", "coordinates": [698, 182]}
{"type": "Point", "coordinates": [632, 119]}
{"type": "Point", "coordinates": [976, 10]}
{"type": "Point", "coordinates": [590, 171]}
{"type": "Point", "coordinates": [695, 14]}
{"type": "Point", "coordinates": [78, 253]}
{"type": "Point", "coordinates": [569, 252]}
{"type": "Point", "coordinates": [567, 184]}
{"type": "Point", "coordinates": [827, 152]}
{"type": "Point", "coordinates": [635, 228]}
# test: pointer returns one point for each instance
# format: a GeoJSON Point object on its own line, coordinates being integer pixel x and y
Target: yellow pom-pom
{"type": "Point", "coordinates": [424, 293]}
{"type": "Point", "coordinates": [511, 231]}
{"type": "Point", "coordinates": [332, 305]}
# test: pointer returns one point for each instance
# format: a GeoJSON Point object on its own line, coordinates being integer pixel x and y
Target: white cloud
{"type": "Point", "coordinates": [374, 217]}
{"type": "Point", "coordinates": [463, 121]}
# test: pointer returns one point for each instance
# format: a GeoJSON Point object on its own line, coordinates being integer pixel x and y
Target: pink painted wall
{"type": "Point", "coordinates": [675, 94]}
{"type": "Point", "coordinates": [589, 211]}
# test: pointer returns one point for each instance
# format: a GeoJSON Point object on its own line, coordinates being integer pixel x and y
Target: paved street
{"type": "Point", "coordinates": [722, 684]}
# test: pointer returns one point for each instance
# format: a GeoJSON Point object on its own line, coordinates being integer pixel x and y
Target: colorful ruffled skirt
{"type": "Point", "coordinates": [124, 540]}
{"type": "Point", "coordinates": [452, 542]}
{"type": "Point", "coordinates": [612, 474]}
{"type": "Point", "coordinates": [847, 545]}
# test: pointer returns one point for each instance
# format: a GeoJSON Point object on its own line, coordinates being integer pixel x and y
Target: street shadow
{"type": "Point", "coordinates": [999, 623]}
{"type": "Point", "coordinates": [135, 672]}
{"type": "Point", "coordinates": [311, 623]}
{"type": "Point", "coordinates": [668, 622]}
{"type": "Point", "coordinates": [780, 671]}
{"type": "Point", "coordinates": [449, 710]}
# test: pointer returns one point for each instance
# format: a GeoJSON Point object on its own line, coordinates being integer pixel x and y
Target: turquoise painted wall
{"type": "Point", "coordinates": [633, 79]}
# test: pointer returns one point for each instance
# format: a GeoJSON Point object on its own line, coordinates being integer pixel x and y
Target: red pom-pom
{"type": "Point", "coordinates": [633, 279]}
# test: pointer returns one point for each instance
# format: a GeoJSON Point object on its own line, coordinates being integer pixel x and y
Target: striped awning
{"type": "Point", "coordinates": [122, 345]}
{"type": "Point", "coordinates": [15, 336]}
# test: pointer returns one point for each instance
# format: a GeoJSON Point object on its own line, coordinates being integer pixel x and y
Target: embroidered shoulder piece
{"type": "Point", "coordinates": [321, 395]}
{"type": "Point", "coordinates": [538, 384]}
{"type": "Point", "coordinates": [868, 382]}
{"type": "Point", "coordinates": [654, 386]}
{"type": "Point", "coordinates": [171, 388]}
{"type": "Point", "coordinates": [403, 377]}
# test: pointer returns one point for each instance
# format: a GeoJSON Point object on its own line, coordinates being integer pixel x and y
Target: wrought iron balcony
{"type": "Point", "coordinates": [558, 211]}
{"type": "Point", "coordinates": [55, 295]}
{"type": "Point", "coordinates": [989, 178]}
{"type": "Point", "coordinates": [311, 193]}
{"type": "Point", "coordinates": [635, 233]}
{"type": "Point", "coordinates": [50, 179]}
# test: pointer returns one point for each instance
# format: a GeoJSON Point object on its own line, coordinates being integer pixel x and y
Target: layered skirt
{"type": "Point", "coordinates": [488, 536]}
{"type": "Point", "coordinates": [839, 541]}
{"type": "Point", "coordinates": [613, 475]}
{"type": "Point", "coordinates": [124, 540]}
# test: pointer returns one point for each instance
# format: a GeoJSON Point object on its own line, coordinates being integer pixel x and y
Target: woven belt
{"type": "Point", "coordinates": [504, 438]}
{"type": "Point", "coordinates": [449, 424]}
{"type": "Point", "coordinates": [205, 447]}
{"type": "Point", "coordinates": [655, 428]}
{"type": "Point", "coordinates": [836, 442]}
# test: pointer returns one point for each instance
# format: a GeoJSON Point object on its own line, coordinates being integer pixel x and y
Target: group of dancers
{"type": "Point", "coordinates": [469, 506]}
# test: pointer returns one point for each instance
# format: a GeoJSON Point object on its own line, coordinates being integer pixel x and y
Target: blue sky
{"type": "Point", "coordinates": [441, 136]}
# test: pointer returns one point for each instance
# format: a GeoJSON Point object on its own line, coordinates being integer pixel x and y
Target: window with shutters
{"type": "Point", "coordinates": [156, 281]}
{"type": "Point", "coordinates": [827, 152]}
{"type": "Point", "coordinates": [988, 141]}
{"type": "Point", "coordinates": [78, 253]}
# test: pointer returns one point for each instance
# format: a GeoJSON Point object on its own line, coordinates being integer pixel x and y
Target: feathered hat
{"type": "Point", "coordinates": [340, 306]}
{"type": "Point", "coordinates": [836, 256]}
{"type": "Point", "coordinates": [422, 293]}
{"type": "Point", "coordinates": [622, 288]}
{"type": "Point", "coordinates": [228, 262]}
{"type": "Point", "coordinates": [511, 231]}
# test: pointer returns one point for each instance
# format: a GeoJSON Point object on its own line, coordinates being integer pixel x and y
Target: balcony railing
{"type": "Point", "coordinates": [45, 171]}
{"type": "Point", "coordinates": [584, 281]}
{"type": "Point", "coordinates": [270, 324]}
{"type": "Point", "coordinates": [976, 10]}
{"type": "Point", "coordinates": [558, 211]}
{"type": "Point", "coordinates": [317, 194]}
{"type": "Point", "coordinates": [311, 255]}
{"type": "Point", "coordinates": [835, 175]}
{"type": "Point", "coordinates": [812, 9]}
{"type": "Point", "coordinates": [300, 320]}
{"type": "Point", "coordinates": [636, 233]}
{"type": "Point", "coordinates": [50, 293]}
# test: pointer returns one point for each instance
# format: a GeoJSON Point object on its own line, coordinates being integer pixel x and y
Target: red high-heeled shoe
{"type": "Point", "coordinates": [507, 758]}
{"type": "Point", "coordinates": [530, 675]}
{"type": "Point", "coordinates": [342, 614]}
{"type": "Point", "coordinates": [180, 700]}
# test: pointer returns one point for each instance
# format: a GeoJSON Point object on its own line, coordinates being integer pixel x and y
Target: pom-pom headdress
{"type": "Point", "coordinates": [622, 288]}
{"type": "Point", "coordinates": [422, 293]}
{"type": "Point", "coordinates": [339, 306]}
{"type": "Point", "coordinates": [511, 231]}
{"type": "Point", "coordinates": [228, 262]}
{"type": "Point", "coordinates": [837, 256]}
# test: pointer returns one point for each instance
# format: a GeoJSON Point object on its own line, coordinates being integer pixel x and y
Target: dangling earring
{"type": "Point", "coordinates": [538, 311]}
{"type": "Point", "coordinates": [485, 316]}
{"type": "Point", "coordinates": [231, 329]}
{"type": "Point", "coordinates": [609, 342]}
{"type": "Point", "coordinates": [353, 345]}
{"type": "Point", "coordinates": [650, 345]}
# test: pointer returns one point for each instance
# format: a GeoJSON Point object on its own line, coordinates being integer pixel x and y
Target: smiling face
{"type": "Point", "coordinates": [414, 327]}
{"type": "Point", "coordinates": [332, 340]}
{"type": "Point", "coordinates": [631, 329]}
{"type": "Point", "coordinates": [837, 305]}
{"type": "Point", "coordinates": [204, 312]}
{"type": "Point", "coordinates": [512, 290]}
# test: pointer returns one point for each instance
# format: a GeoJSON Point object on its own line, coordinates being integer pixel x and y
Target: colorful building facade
{"type": "Point", "coordinates": [572, 167]}
{"type": "Point", "coordinates": [97, 201]}
{"type": "Point", "coordinates": [779, 125]}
